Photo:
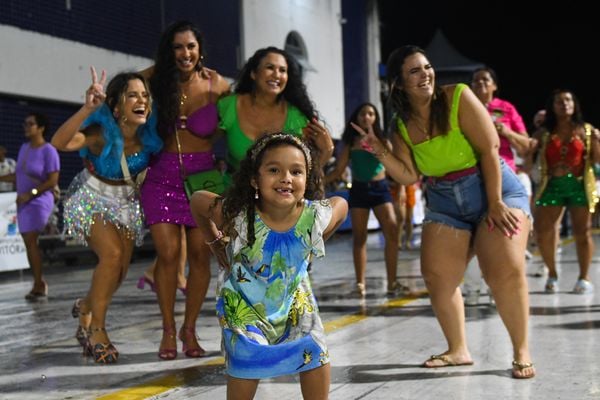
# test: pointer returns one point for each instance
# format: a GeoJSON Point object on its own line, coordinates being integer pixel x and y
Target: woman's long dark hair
{"type": "Point", "coordinates": [439, 116]}
{"type": "Point", "coordinates": [240, 196]}
{"type": "Point", "coordinates": [350, 134]}
{"type": "Point", "coordinates": [295, 91]}
{"type": "Point", "coordinates": [164, 83]}
{"type": "Point", "coordinates": [550, 120]}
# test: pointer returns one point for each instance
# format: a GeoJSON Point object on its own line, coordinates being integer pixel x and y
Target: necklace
{"type": "Point", "coordinates": [183, 97]}
{"type": "Point", "coordinates": [421, 128]}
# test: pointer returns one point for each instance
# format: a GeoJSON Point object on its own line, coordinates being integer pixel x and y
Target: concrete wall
{"type": "Point", "coordinates": [46, 67]}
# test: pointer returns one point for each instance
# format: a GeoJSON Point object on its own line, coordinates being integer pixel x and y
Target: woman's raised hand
{"type": "Point", "coordinates": [94, 96]}
{"type": "Point", "coordinates": [369, 141]}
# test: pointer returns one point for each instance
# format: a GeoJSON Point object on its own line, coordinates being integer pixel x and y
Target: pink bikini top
{"type": "Point", "coordinates": [203, 121]}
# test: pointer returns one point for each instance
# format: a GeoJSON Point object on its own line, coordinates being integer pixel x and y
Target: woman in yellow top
{"type": "Point", "coordinates": [475, 203]}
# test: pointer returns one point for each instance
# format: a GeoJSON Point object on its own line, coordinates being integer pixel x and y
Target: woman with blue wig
{"type": "Point", "coordinates": [102, 207]}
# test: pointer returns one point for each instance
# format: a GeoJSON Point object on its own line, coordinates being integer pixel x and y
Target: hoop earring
{"type": "Point", "coordinates": [256, 194]}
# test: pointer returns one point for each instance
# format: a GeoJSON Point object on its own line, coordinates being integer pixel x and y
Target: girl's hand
{"type": "Point", "coordinates": [94, 96]}
{"type": "Point", "coordinates": [501, 217]}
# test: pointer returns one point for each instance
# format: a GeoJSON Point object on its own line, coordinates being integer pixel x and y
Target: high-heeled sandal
{"type": "Point", "coordinates": [81, 334]}
{"type": "Point", "coordinates": [168, 354]}
{"type": "Point", "coordinates": [184, 335]}
{"type": "Point", "coordinates": [103, 353]}
{"type": "Point", "coordinates": [35, 295]}
{"type": "Point", "coordinates": [145, 280]}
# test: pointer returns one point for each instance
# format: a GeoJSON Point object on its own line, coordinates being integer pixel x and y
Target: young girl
{"type": "Point", "coordinates": [102, 206]}
{"type": "Point", "coordinates": [268, 313]}
{"type": "Point", "coordinates": [370, 190]}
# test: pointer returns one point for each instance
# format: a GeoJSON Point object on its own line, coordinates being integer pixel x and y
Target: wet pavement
{"type": "Point", "coordinates": [376, 344]}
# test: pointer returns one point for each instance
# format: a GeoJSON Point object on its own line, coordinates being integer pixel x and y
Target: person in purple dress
{"type": "Point", "coordinates": [185, 94]}
{"type": "Point", "coordinates": [38, 166]}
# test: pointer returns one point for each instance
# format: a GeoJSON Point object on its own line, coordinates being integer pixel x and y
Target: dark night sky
{"type": "Point", "coordinates": [531, 55]}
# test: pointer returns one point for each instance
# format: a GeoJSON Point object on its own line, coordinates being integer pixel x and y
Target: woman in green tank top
{"type": "Point", "coordinates": [475, 203]}
{"type": "Point", "coordinates": [369, 190]}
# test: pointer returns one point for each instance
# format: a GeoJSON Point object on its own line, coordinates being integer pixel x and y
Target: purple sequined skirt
{"type": "Point", "coordinates": [163, 196]}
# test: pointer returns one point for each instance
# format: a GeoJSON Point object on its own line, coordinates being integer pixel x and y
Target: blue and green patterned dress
{"type": "Point", "coordinates": [265, 304]}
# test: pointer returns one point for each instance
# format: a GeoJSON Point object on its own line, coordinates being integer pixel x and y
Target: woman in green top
{"type": "Point", "coordinates": [269, 97]}
{"type": "Point", "coordinates": [370, 190]}
{"type": "Point", "coordinates": [475, 203]}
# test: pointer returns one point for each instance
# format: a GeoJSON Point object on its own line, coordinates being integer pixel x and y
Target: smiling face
{"type": "Point", "coordinates": [418, 76]}
{"type": "Point", "coordinates": [187, 51]}
{"type": "Point", "coordinates": [483, 85]}
{"type": "Point", "coordinates": [134, 104]}
{"type": "Point", "coordinates": [282, 175]}
{"type": "Point", "coordinates": [270, 77]}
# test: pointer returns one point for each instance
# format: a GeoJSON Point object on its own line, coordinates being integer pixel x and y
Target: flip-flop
{"type": "Point", "coordinates": [446, 362]}
{"type": "Point", "coordinates": [520, 366]}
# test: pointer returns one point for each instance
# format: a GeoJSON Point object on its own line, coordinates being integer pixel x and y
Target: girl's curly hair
{"type": "Point", "coordinates": [240, 196]}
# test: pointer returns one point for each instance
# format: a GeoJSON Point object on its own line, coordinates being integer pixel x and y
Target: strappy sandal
{"type": "Point", "coordinates": [103, 353]}
{"type": "Point", "coordinates": [168, 353]}
{"type": "Point", "coordinates": [519, 367]}
{"type": "Point", "coordinates": [185, 335]}
{"type": "Point", "coordinates": [551, 285]}
{"type": "Point", "coordinates": [361, 289]}
{"type": "Point", "coordinates": [81, 334]}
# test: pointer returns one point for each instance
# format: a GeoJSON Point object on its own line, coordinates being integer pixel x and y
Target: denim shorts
{"type": "Point", "coordinates": [369, 194]}
{"type": "Point", "coordinates": [462, 203]}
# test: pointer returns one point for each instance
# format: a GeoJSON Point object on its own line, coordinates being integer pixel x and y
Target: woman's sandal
{"type": "Point", "coordinates": [186, 335]}
{"type": "Point", "coordinates": [583, 286]}
{"type": "Point", "coordinates": [361, 289]}
{"type": "Point", "coordinates": [518, 367]}
{"type": "Point", "coordinates": [446, 362]}
{"type": "Point", "coordinates": [81, 334]}
{"type": "Point", "coordinates": [169, 353]}
{"type": "Point", "coordinates": [551, 285]}
{"type": "Point", "coordinates": [103, 353]}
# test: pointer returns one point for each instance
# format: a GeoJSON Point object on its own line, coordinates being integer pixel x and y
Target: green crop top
{"type": "Point", "coordinates": [365, 166]}
{"type": "Point", "coordinates": [237, 141]}
{"type": "Point", "coordinates": [445, 153]}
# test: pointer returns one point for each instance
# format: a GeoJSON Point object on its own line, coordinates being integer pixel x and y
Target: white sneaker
{"type": "Point", "coordinates": [472, 298]}
{"type": "Point", "coordinates": [528, 255]}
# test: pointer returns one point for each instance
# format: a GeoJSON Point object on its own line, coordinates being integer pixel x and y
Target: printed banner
{"type": "Point", "coordinates": [12, 249]}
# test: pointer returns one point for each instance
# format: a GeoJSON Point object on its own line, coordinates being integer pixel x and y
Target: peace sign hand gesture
{"type": "Point", "coordinates": [369, 141]}
{"type": "Point", "coordinates": [94, 96]}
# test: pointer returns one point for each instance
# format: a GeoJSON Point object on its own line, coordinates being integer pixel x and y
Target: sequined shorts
{"type": "Point", "coordinates": [564, 191]}
{"type": "Point", "coordinates": [88, 196]}
{"type": "Point", "coordinates": [163, 196]}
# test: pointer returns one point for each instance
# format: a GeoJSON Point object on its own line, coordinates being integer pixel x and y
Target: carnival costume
{"type": "Point", "coordinates": [578, 186]}
{"type": "Point", "coordinates": [266, 306]}
{"type": "Point", "coordinates": [118, 204]}
{"type": "Point", "coordinates": [163, 194]}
